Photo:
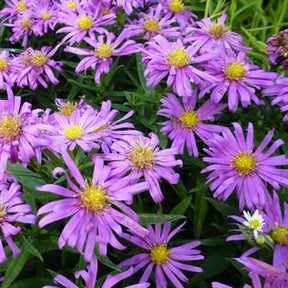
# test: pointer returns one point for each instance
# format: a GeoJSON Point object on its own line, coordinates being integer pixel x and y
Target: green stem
{"type": "Point", "coordinates": [207, 8]}
{"type": "Point", "coordinates": [282, 14]}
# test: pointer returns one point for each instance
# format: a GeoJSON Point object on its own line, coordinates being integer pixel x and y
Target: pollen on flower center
{"type": "Point", "coordinates": [3, 64]}
{"type": "Point", "coordinates": [159, 254]}
{"type": "Point", "coordinates": [26, 23]}
{"type": "Point", "coordinates": [68, 109]}
{"type": "Point", "coordinates": [217, 30]}
{"type": "Point", "coordinates": [103, 51]}
{"type": "Point", "coordinates": [71, 5]}
{"type": "Point", "coordinates": [141, 157]}
{"type": "Point", "coordinates": [235, 71]}
{"type": "Point", "coordinates": [85, 23]}
{"type": "Point", "coordinates": [244, 163]}
{"type": "Point", "coordinates": [94, 199]}
{"type": "Point", "coordinates": [3, 207]}
{"type": "Point", "coordinates": [21, 6]}
{"type": "Point", "coordinates": [179, 58]}
{"type": "Point", "coordinates": [279, 235]}
{"type": "Point", "coordinates": [189, 119]}
{"type": "Point", "coordinates": [46, 15]}
{"type": "Point", "coordinates": [10, 128]}
{"type": "Point", "coordinates": [39, 59]}
{"type": "Point", "coordinates": [73, 132]}
{"type": "Point", "coordinates": [151, 25]}
{"type": "Point", "coordinates": [176, 6]}
{"type": "Point", "coordinates": [255, 224]}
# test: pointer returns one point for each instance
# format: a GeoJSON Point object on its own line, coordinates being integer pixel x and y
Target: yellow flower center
{"type": "Point", "coordinates": [94, 199]}
{"type": "Point", "coordinates": [85, 23]}
{"type": "Point", "coordinates": [39, 59]}
{"type": "Point", "coordinates": [103, 51]}
{"type": "Point", "coordinates": [71, 5]}
{"type": "Point", "coordinates": [3, 64]}
{"type": "Point", "coordinates": [176, 6]}
{"type": "Point", "coordinates": [26, 23]}
{"type": "Point", "coordinates": [10, 128]}
{"type": "Point", "coordinates": [244, 163]}
{"type": "Point", "coordinates": [255, 224]}
{"type": "Point", "coordinates": [151, 25]}
{"type": "Point", "coordinates": [179, 58]}
{"type": "Point", "coordinates": [46, 15]}
{"type": "Point", "coordinates": [217, 30]}
{"type": "Point", "coordinates": [235, 71]}
{"type": "Point", "coordinates": [68, 109]}
{"type": "Point", "coordinates": [141, 157]}
{"type": "Point", "coordinates": [3, 207]}
{"type": "Point", "coordinates": [279, 235]}
{"type": "Point", "coordinates": [21, 6]}
{"type": "Point", "coordinates": [159, 254]}
{"type": "Point", "coordinates": [189, 119]}
{"type": "Point", "coordinates": [73, 132]}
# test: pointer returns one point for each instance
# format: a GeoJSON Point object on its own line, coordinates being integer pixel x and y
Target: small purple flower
{"type": "Point", "coordinates": [13, 9]}
{"type": "Point", "coordinates": [12, 209]}
{"type": "Point", "coordinates": [184, 122]}
{"type": "Point", "coordinates": [34, 67]}
{"type": "Point", "coordinates": [210, 36]}
{"type": "Point", "coordinates": [91, 206]}
{"type": "Point", "coordinates": [237, 78]}
{"type": "Point", "coordinates": [142, 156]}
{"type": "Point", "coordinates": [90, 276]}
{"type": "Point", "coordinates": [234, 165]}
{"type": "Point", "coordinates": [104, 48]}
{"type": "Point", "coordinates": [166, 261]}
{"type": "Point", "coordinates": [129, 5]}
{"type": "Point", "coordinates": [279, 89]}
{"type": "Point", "coordinates": [164, 58]}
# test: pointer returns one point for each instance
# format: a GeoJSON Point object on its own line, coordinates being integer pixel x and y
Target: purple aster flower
{"type": "Point", "coordinates": [129, 5]}
{"type": "Point", "coordinates": [164, 58]}
{"type": "Point", "coordinates": [92, 207]}
{"type": "Point", "coordinates": [34, 67]}
{"type": "Point", "coordinates": [277, 48]}
{"type": "Point", "coordinates": [210, 36]}
{"type": "Point", "coordinates": [104, 48]}
{"type": "Point", "coordinates": [83, 23]}
{"type": "Point", "coordinates": [142, 156]}
{"type": "Point", "coordinates": [154, 23]}
{"type": "Point", "coordinates": [279, 89]}
{"type": "Point", "coordinates": [185, 122]}
{"type": "Point", "coordinates": [66, 108]}
{"type": "Point", "coordinates": [13, 9]}
{"type": "Point", "coordinates": [238, 78]}
{"type": "Point", "coordinates": [19, 132]}
{"type": "Point", "coordinates": [273, 277]}
{"type": "Point", "coordinates": [165, 260]}
{"type": "Point", "coordinates": [234, 165]}
{"type": "Point", "coordinates": [12, 209]}
{"type": "Point", "coordinates": [90, 276]}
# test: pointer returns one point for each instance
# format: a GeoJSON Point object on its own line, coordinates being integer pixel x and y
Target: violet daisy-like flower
{"type": "Point", "coordinates": [142, 157]}
{"type": "Point", "coordinates": [277, 48]}
{"type": "Point", "coordinates": [129, 5]}
{"type": "Point", "coordinates": [12, 209]}
{"type": "Point", "coordinates": [273, 277]}
{"type": "Point", "coordinates": [13, 9]}
{"type": "Point", "coordinates": [279, 91]}
{"type": "Point", "coordinates": [234, 165]}
{"type": "Point", "coordinates": [83, 23]}
{"type": "Point", "coordinates": [153, 23]}
{"type": "Point", "coordinates": [208, 35]}
{"type": "Point", "coordinates": [19, 132]}
{"type": "Point", "coordinates": [92, 206]}
{"type": "Point", "coordinates": [34, 67]}
{"type": "Point", "coordinates": [185, 122]}
{"type": "Point", "coordinates": [237, 78]}
{"type": "Point", "coordinates": [66, 108]}
{"type": "Point", "coordinates": [165, 260]}
{"type": "Point", "coordinates": [105, 47]}
{"type": "Point", "coordinates": [90, 276]}
{"type": "Point", "coordinates": [164, 58]}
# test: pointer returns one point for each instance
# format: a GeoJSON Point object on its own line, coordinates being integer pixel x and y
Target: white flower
{"type": "Point", "coordinates": [255, 222]}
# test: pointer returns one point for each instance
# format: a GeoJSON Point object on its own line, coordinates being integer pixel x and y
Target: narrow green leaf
{"type": "Point", "coordinates": [182, 206]}
{"type": "Point", "coordinates": [149, 218]}
{"type": "Point", "coordinates": [27, 246]}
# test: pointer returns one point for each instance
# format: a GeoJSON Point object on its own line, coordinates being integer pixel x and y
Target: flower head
{"type": "Point", "coordinates": [235, 165]}
{"type": "Point", "coordinates": [254, 222]}
{"type": "Point", "coordinates": [164, 260]}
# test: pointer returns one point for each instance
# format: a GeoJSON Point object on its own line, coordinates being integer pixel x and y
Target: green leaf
{"type": "Point", "coordinates": [27, 246]}
{"type": "Point", "coordinates": [33, 282]}
{"type": "Point", "coordinates": [182, 206]}
{"type": "Point", "coordinates": [14, 269]}
{"type": "Point", "coordinates": [106, 261]}
{"type": "Point", "coordinates": [149, 218]}
{"type": "Point", "coordinates": [223, 208]}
